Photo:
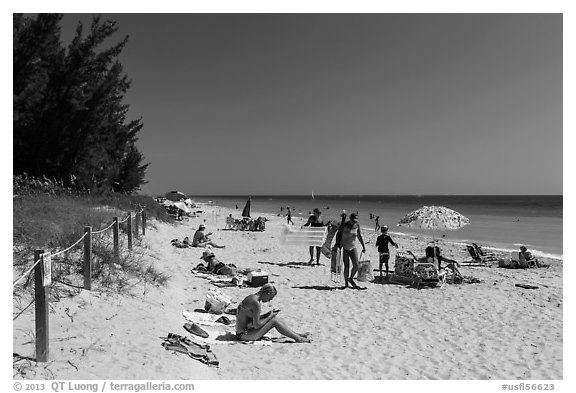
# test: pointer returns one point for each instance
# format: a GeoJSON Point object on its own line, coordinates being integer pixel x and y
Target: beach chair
{"type": "Point", "coordinates": [230, 223]}
{"type": "Point", "coordinates": [481, 257]}
{"type": "Point", "coordinates": [408, 270]}
{"type": "Point", "coordinates": [426, 274]}
{"type": "Point", "coordinates": [514, 259]}
{"type": "Point", "coordinates": [483, 253]}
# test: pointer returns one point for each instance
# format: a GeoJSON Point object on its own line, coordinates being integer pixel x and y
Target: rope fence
{"type": "Point", "coordinates": [42, 268]}
{"type": "Point", "coordinates": [69, 248]}
{"type": "Point", "coordinates": [27, 273]}
{"type": "Point", "coordinates": [103, 230]}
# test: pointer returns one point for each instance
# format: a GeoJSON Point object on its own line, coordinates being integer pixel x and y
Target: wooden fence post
{"type": "Point", "coordinates": [88, 258]}
{"type": "Point", "coordinates": [115, 230]}
{"type": "Point", "coordinates": [41, 304]}
{"type": "Point", "coordinates": [129, 230]}
{"type": "Point", "coordinates": [143, 221]}
{"type": "Point", "coordinates": [136, 223]}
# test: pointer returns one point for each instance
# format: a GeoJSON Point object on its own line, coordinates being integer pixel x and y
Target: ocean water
{"type": "Point", "coordinates": [497, 222]}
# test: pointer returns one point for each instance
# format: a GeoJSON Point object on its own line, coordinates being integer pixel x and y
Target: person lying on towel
{"type": "Point", "coordinates": [250, 325]}
{"type": "Point", "coordinates": [214, 266]}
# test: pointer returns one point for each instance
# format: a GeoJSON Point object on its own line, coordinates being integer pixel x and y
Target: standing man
{"type": "Point", "coordinates": [383, 251]}
{"type": "Point", "coordinates": [315, 221]}
{"type": "Point", "coordinates": [289, 216]}
{"type": "Point", "coordinates": [377, 224]}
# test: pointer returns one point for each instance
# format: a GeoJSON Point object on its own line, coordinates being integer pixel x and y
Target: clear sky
{"type": "Point", "coordinates": [345, 103]}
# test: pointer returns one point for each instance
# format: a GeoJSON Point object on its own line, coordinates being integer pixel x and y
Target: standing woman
{"type": "Point", "coordinates": [350, 233]}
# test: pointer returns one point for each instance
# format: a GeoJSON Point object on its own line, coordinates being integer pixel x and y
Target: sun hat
{"type": "Point", "coordinates": [384, 227]}
{"type": "Point", "coordinates": [207, 254]}
{"type": "Point", "coordinates": [202, 226]}
{"type": "Point", "coordinates": [316, 210]}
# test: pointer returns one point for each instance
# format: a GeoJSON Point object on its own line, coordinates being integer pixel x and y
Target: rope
{"type": "Point", "coordinates": [124, 220]}
{"type": "Point", "coordinates": [69, 248]}
{"type": "Point", "coordinates": [28, 272]}
{"type": "Point", "coordinates": [66, 283]}
{"type": "Point", "coordinates": [26, 308]}
{"type": "Point", "coordinates": [102, 230]}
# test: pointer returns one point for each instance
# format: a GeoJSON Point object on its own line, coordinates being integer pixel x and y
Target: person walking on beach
{"type": "Point", "coordinates": [315, 221]}
{"type": "Point", "coordinates": [377, 224]}
{"type": "Point", "coordinates": [289, 216]}
{"type": "Point", "coordinates": [250, 325]}
{"type": "Point", "coordinates": [382, 243]}
{"type": "Point", "coordinates": [350, 233]}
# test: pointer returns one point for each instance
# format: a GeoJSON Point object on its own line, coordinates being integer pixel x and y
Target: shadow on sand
{"type": "Point", "coordinates": [318, 287]}
{"type": "Point", "coordinates": [293, 264]}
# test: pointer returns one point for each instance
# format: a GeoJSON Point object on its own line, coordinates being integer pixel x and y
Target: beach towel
{"type": "Point", "coordinates": [336, 265]}
{"type": "Point", "coordinates": [184, 345]}
{"type": "Point", "coordinates": [306, 236]}
{"type": "Point", "coordinates": [220, 333]}
{"type": "Point", "coordinates": [326, 247]}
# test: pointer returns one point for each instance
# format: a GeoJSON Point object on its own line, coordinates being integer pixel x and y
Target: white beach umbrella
{"type": "Point", "coordinates": [434, 218]}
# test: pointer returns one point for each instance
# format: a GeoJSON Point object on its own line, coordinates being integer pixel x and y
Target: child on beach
{"type": "Point", "coordinates": [250, 325]}
{"type": "Point", "coordinates": [382, 243]}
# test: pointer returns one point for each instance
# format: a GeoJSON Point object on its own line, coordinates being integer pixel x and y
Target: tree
{"type": "Point", "coordinates": [69, 115]}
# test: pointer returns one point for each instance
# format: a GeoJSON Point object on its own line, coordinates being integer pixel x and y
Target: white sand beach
{"type": "Point", "coordinates": [490, 330]}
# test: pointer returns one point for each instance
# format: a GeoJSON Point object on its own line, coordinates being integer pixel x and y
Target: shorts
{"type": "Point", "coordinates": [384, 256]}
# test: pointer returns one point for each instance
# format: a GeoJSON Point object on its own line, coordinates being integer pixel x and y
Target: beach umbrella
{"type": "Point", "coordinates": [175, 196]}
{"type": "Point", "coordinates": [182, 206]}
{"type": "Point", "coordinates": [246, 210]}
{"type": "Point", "coordinates": [434, 218]}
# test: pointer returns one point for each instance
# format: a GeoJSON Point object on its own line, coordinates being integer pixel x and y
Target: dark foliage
{"type": "Point", "coordinates": [69, 120]}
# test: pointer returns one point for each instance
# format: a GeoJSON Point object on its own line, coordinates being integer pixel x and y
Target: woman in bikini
{"type": "Point", "coordinates": [250, 325]}
{"type": "Point", "coordinates": [351, 232]}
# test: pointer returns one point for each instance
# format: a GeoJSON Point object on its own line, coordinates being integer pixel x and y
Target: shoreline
{"type": "Point", "coordinates": [542, 235]}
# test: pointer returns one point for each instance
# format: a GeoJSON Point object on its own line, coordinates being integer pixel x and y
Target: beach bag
{"type": "Point", "coordinates": [364, 269]}
{"type": "Point", "coordinates": [216, 301]}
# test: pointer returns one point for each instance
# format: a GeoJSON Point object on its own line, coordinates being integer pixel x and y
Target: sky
{"type": "Point", "coordinates": [348, 103]}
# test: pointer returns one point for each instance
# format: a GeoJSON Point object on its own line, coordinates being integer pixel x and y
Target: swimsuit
{"type": "Point", "coordinates": [240, 335]}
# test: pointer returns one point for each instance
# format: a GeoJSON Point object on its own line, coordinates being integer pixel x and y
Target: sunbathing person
{"type": "Point", "coordinates": [201, 240]}
{"type": "Point", "coordinates": [214, 266]}
{"type": "Point", "coordinates": [250, 325]}
{"type": "Point", "coordinates": [452, 264]}
{"type": "Point", "coordinates": [178, 243]}
{"type": "Point", "coordinates": [528, 257]}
